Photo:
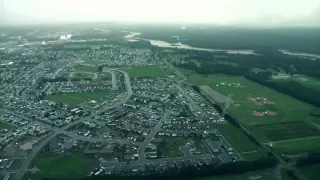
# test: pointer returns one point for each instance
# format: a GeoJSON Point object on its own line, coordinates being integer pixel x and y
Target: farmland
{"type": "Point", "coordinates": [289, 118]}
{"type": "Point", "coordinates": [288, 130]}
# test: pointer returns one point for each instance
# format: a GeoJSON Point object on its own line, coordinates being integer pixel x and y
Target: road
{"type": "Point", "coordinates": [113, 76]}
{"type": "Point", "coordinates": [26, 163]}
{"type": "Point", "coordinates": [163, 160]}
{"type": "Point", "coordinates": [149, 137]}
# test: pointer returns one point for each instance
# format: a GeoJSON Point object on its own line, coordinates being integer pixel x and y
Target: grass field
{"type": "Point", "coordinates": [5, 125]}
{"type": "Point", "coordinates": [311, 171]}
{"type": "Point", "coordinates": [75, 98]}
{"type": "Point", "coordinates": [258, 175]}
{"type": "Point", "coordinates": [241, 142]}
{"type": "Point", "coordinates": [171, 147]}
{"type": "Point", "coordinates": [147, 71]}
{"type": "Point", "coordinates": [287, 108]}
{"type": "Point", "coordinates": [298, 146]}
{"type": "Point", "coordinates": [83, 68]}
{"type": "Point", "coordinates": [63, 167]}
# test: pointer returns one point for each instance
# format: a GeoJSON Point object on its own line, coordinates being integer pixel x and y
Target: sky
{"type": "Point", "coordinates": [219, 12]}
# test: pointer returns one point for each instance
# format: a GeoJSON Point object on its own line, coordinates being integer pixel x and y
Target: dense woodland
{"type": "Point", "coordinates": [295, 39]}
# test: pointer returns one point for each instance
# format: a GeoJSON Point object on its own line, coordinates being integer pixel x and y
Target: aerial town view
{"type": "Point", "coordinates": [153, 101]}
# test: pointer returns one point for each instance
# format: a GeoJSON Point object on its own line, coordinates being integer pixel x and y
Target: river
{"type": "Point", "coordinates": [313, 56]}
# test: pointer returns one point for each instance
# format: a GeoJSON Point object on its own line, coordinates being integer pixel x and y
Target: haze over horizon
{"type": "Point", "coordinates": [228, 12]}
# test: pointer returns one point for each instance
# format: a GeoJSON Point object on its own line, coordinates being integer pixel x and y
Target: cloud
{"type": "Point", "coordinates": [256, 12]}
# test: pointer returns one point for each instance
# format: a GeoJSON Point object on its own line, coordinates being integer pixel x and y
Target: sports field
{"type": "Point", "coordinates": [76, 98]}
{"type": "Point", "coordinates": [145, 71]}
{"type": "Point", "coordinates": [270, 115]}
{"type": "Point", "coordinates": [71, 166]}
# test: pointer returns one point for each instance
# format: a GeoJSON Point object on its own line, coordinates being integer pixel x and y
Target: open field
{"type": "Point", "coordinates": [241, 142]}
{"type": "Point", "coordinates": [72, 166]}
{"type": "Point", "coordinates": [311, 171]}
{"type": "Point", "coordinates": [258, 175]}
{"type": "Point", "coordinates": [297, 146]}
{"type": "Point", "coordinates": [288, 130]}
{"type": "Point", "coordinates": [75, 98]}
{"type": "Point", "coordinates": [265, 126]}
{"type": "Point", "coordinates": [147, 71]}
{"type": "Point", "coordinates": [83, 68]}
{"type": "Point", "coordinates": [170, 147]}
{"type": "Point", "coordinates": [5, 125]}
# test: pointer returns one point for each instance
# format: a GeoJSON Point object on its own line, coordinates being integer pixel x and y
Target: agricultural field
{"type": "Point", "coordinates": [311, 171]}
{"type": "Point", "coordinates": [294, 147]}
{"type": "Point", "coordinates": [71, 166]}
{"type": "Point", "coordinates": [76, 98]}
{"type": "Point", "coordinates": [147, 71]}
{"type": "Point", "coordinates": [288, 130]}
{"type": "Point", "coordinates": [6, 125]}
{"type": "Point", "coordinates": [258, 175]}
{"type": "Point", "coordinates": [264, 111]}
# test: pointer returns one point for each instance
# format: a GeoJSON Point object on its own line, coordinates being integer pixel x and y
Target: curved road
{"type": "Point", "coordinates": [25, 165]}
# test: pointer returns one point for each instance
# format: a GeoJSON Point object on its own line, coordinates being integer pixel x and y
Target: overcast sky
{"type": "Point", "coordinates": [223, 12]}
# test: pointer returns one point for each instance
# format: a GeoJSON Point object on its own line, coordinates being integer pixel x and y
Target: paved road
{"type": "Point", "coordinates": [149, 137]}
{"type": "Point", "coordinates": [25, 165]}
{"type": "Point", "coordinates": [128, 94]}
{"type": "Point", "coordinates": [114, 79]}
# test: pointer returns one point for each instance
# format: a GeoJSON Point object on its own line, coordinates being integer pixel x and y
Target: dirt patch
{"type": "Point", "coordinates": [271, 113]}
{"type": "Point", "coordinates": [250, 98]}
{"type": "Point", "coordinates": [258, 103]}
{"type": "Point", "coordinates": [259, 114]}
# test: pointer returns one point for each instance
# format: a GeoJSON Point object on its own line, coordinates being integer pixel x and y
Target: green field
{"type": "Point", "coordinates": [83, 68]}
{"type": "Point", "coordinates": [171, 146]}
{"type": "Point", "coordinates": [76, 98]}
{"type": "Point", "coordinates": [5, 125]}
{"type": "Point", "coordinates": [74, 166]}
{"type": "Point", "coordinates": [310, 171]}
{"type": "Point", "coordinates": [258, 175]}
{"type": "Point", "coordinates": [287, 108]}
{"type": "Point", "coordinates": [146, 71]}
{"type": "Point", "coordinates": [298, 146]}
{"type": "Point", "coordinates": [240, 141]}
